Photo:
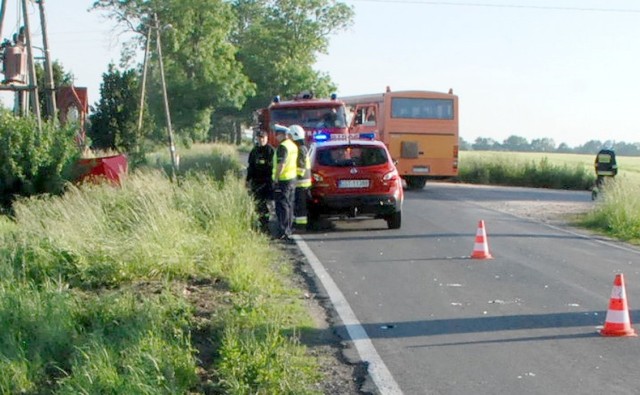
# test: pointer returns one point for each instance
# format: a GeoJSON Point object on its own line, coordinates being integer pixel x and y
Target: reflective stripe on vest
{"type": "Point", "coordinates": [290, 166]}
{"type": "Point", "coordinates": [304, 174]}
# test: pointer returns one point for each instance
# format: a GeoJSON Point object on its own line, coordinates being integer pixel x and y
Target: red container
{"type": "Point", "coordinates": [109, 168]}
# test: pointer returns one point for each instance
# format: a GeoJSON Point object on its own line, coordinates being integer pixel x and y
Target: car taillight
{"type": "Point", "coordinates": [390, 175]}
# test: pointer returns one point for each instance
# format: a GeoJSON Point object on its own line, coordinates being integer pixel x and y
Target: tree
{"type": "Point", "coordinates": [485, 144]}
{"type": "Point", "coordinates": [114, 121]}
{"type": "Point", "coordinates": [223, 60]}
{"type": "Point", "coordinates": [278, 43]}
{"type": "Point", "coordinates": [201, 69]}
{"type": "Point", "coordinates": [564, 148]}
{"type": "Point", "coordinates": [544, 144]}
{"type": "Point", "coordinates": [516, 143]}
{"type": "Point", "coordinates": [464, 145]}
{"type": "Point", "coordinates": [590, 147]}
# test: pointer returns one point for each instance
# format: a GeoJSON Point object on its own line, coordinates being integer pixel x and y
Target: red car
{"type": "Point", "coordinates": [352, 178]}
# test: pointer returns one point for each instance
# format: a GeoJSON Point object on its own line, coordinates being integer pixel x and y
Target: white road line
{"type": "Point", "coordinates": [377, 369]}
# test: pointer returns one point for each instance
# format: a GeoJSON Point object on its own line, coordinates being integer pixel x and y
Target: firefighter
{"type": "Point", "coordinates": [259, 169]}
{"type": "Point", "coordinates": [284, 178]}
{"type": "Point", "coordinates": [606, 167]}
{"type": "Point", "coordinates": [303, 182]}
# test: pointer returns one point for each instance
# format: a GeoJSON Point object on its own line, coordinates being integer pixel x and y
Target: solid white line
{"type": "Point", "coordinates": [376, 367]}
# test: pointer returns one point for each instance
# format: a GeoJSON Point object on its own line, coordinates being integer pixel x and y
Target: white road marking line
{"type": "Point", "coordinates": [378, 371]}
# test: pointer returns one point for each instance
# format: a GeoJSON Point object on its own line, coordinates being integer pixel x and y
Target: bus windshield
{"type": "Point", "coordinates": [311, 118]}
{"type": "Point", "coordinates": [421, 108]}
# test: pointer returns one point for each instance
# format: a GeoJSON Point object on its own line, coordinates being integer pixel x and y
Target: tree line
{"type": "Point", "coordinates": [521, 144]}
{"type": "Point", "coordinates": [222, 61]}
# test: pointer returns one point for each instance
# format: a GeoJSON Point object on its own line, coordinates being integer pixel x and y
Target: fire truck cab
{"type": "Point", "coordinates": [325, 116]}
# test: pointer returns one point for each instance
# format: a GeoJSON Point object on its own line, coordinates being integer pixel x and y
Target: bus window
{"type": "Point", "coordinates": [402, 107]}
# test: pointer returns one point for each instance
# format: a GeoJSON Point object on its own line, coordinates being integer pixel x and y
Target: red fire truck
{"type": "Point", "coordinates": [316, 116]}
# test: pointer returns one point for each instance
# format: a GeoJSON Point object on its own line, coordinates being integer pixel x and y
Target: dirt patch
{"type": "Point", "coordinates": [341, 374]}
{"type": "Point", "coordinates": [557, 213]}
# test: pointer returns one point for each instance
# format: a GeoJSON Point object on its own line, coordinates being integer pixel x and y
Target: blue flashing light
{"type": "Point", "coordinates": [334, 96]}
{"type": "Point", "coordinates": [320, 137]}
{"type": "Point", "coordinates": [276, 99]}
{"type": "Point", "coordinates": [367, 136]}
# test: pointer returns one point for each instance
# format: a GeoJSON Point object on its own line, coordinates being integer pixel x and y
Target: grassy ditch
{"type": "Point", "coordinates": [617, 211]}
{"type": "Point", "coordinates": [149, 288]}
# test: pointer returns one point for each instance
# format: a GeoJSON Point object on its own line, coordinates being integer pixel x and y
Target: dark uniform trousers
{"type": "Point", "coordinates": [284, 195]}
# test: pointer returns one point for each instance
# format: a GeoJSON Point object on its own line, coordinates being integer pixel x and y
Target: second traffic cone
{"type": "Point", "coordinates": [481, 246]}
{"type": "Point", "coordinates": [617, 322]}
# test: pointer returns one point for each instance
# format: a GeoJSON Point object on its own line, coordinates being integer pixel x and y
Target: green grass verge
{"type": "Point", "coordinates": [101, 290]}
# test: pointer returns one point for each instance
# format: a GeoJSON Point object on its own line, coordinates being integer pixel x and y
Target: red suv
{"type": "Point", "coordinates": [354, 178]}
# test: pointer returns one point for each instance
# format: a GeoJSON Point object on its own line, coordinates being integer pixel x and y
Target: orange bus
{"type": "Point", "coordinates": [420, 128]}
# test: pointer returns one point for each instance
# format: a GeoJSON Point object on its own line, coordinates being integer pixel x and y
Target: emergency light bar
{"type": "Point", "coordinates": [323, 136]}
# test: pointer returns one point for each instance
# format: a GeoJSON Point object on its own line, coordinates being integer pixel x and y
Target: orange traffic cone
{"type": "Point", "coordinates": [617, 322]}
{"type": "Point", "coordinates": [481, 247]}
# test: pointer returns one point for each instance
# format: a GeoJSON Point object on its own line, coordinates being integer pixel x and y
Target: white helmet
{"type": "Point", "coordinates": [297, 132]}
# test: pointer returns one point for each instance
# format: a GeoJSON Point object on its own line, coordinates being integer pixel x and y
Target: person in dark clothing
{"type": "Point", "coordinates": [606, 168]}
{"type": "Point", "coordinates": [259, 173]}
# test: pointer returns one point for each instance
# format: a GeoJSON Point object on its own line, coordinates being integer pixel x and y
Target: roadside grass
{"type": "Point", "coordinates": [617, 212]}
{"type": "Point", "coordinates": [101, 290]}
{"type": "Point", "coordinates": [568, 166]}
{"type": "Point", "coordinates": [508, 168]}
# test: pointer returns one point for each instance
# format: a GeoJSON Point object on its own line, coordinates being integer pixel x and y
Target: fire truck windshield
{"type": "Point", "coordinates": [310, 118]}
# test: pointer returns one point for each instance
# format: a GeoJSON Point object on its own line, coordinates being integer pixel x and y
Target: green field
{"type": "Point", "coordinates": [629, 167]}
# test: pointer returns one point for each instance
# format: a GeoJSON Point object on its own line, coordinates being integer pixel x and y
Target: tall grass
{"type": "Point", "coordinates": [617, 211]}
{"type": "Point", "coordinates": [94, 295]}
{"type": "Point", "coordinates": [511, 169]}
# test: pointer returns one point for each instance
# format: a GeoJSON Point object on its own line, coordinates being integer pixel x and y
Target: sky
{"type": "Point", "coordinates": [562, 69]}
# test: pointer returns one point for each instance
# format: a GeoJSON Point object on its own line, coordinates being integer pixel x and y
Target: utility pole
{"type": "Point", "coordinates": [48, 69]}
{"type": "Point", "coordinates": [172, 147]}
{"type": "Point", "coordinates": [32, 67]}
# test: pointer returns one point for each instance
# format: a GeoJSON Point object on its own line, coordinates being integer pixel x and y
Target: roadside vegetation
{"type": "Point", "coordinates": [617, 212]}
{"type": "Point", "coordinates": [505, 168]}
{"type": "Point", "coordinates": [152, 287]}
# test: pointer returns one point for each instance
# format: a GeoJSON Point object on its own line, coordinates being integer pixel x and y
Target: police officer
{"type": "Point", "coordinates": [303, 182]}
{"type": "Point", "coordinates": [259, 170]}
{"type": "Point", "coordinates": [284, 178]}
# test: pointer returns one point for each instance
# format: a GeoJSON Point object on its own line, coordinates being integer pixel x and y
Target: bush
{"type": "Point", "coordinates": [34, 162]}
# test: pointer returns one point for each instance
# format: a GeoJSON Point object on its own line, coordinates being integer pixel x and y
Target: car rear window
{"type": "Point", "coordinates": [352, 155]}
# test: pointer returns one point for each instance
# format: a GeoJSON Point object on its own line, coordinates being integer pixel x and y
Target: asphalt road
{"type": "Point", "coordinates": [524, 322]}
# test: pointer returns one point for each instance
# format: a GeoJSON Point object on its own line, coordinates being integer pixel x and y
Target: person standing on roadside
{"type": "Point", "coordinates": [303, 182]}
{"type": "Point", "coordinates": [284, 178]}
{"type": "Point", "coordinates": [259, 170]}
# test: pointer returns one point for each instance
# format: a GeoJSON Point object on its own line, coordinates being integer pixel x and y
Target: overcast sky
{"type": "Point", "coordinates": [564, 69]}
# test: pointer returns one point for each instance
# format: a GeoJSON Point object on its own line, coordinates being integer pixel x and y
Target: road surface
{"type": "Point", "coordinates": [430, 320]}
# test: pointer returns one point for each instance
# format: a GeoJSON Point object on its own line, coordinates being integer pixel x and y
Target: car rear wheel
{"type": "Point", "coordinates": [394, 221]}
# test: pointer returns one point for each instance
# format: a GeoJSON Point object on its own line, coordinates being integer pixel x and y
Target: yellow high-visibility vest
{"type": "Point", "coordinates": [290, 167]}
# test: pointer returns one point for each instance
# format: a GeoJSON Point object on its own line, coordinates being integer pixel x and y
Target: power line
{"type": "Point", "coordinates": [490, 5]}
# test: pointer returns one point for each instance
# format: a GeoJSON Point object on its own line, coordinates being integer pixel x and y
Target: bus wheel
{"type": "Point", "coordinates": [394, 221]}
{"type": "Point", "coordinates": [415, 182]}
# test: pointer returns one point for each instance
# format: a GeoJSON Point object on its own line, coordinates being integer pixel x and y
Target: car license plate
{"type": "Point", "coordinates": [353, 184]}
{"type": "Point", "coordinates": [421, 169]}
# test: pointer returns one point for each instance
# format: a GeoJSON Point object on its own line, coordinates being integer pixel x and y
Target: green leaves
{"type": "Point", "coordinates": [32, 162]}
{"type": "Point", "coordinates": [223, 60]}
